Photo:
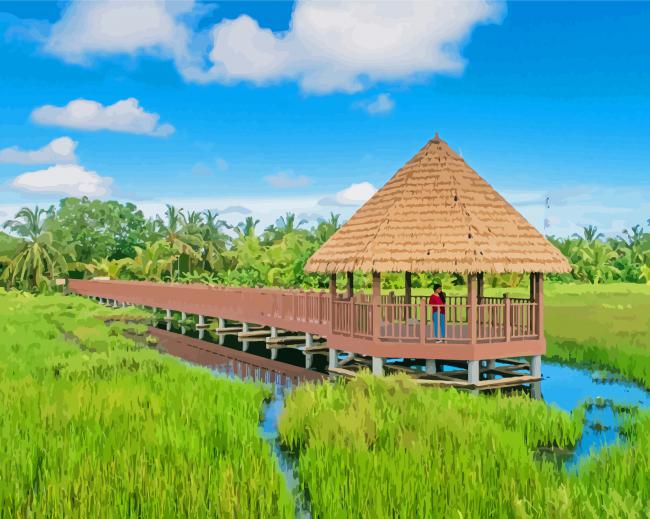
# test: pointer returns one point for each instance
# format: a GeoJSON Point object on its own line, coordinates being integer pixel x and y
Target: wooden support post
{"type": "Point", "coordinates": [533, 287]}
{"type": "Point", "coordinates": [201, 322]}
{"type": "Point", "coordinates": [423, 320]}
{"type": "Point", "coordinates": [333, 285]}
{"type": "Point", "coordinates": [245, 327]}
{"type": "Point", "coordinates": [479, 288]}
{"type": "Point", "coordinates": [473, 371]}
{"type": "Point", "coordinates": [222, 322]}
{"type": "Point", "coordinates": [540, 304]}
{"type": "Point", "coordinates": [378, 366]}
{"type": "Point", "coordinates": [536, 366]}
{"type": "Point", "coordinates": [376, 305]}
{"type": "Point", "coordinates": [274, 351]}
{"type": "Point", "coordinates": [430, 366]}
{"type": "Point", "coordinates": [333, 358]}
{"type": "Point", "coordinates": [407, 288]}
{"type": "Point", "coordinates": [506, 317]}
{"type": "Point", "coordinates": [309, 358]}
{"type": "Point", "coordinates": [349, 285]}
{"type": "Point", "coordinates": [471, 307]}
{"type": "Point", "coordinates": [168, 315]}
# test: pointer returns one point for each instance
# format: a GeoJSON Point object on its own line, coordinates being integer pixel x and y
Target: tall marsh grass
{"type": "Point", "coordinates": [94, 426]}
{"type": "Point", "coordinates": [387, 448]}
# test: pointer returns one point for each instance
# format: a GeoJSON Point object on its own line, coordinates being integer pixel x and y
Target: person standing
{"type": "Point", "coordinates": [437, 300]}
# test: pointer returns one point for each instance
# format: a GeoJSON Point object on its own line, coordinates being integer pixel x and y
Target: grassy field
{"type": "Point", "coordinates": [92, 425]}
{"type": "Point", "coordinates": [387, 448]}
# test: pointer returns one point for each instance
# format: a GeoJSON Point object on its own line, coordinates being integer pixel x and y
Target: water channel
{"type": "Point", "coordinates": [563, 386]}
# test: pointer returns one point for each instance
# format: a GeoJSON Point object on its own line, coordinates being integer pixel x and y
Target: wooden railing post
{"type": "Point", "coordinates": [376, 306]}
{"type": "Point", "coordinates": [540, 304]}
{"type": "Point", "coordinates": [423, 320]}
{"type": "Point", "coordinates": [351, 317]}
{"type": "Point", "coordinates": [471, 307]}
{"type": "Point", "coordinates": [506, 317]}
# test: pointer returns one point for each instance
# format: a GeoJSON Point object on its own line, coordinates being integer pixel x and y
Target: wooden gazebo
{"type": "Point", "coordinates": [436, 214]}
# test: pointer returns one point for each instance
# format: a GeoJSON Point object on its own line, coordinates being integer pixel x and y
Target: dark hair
{"type": "Point", "coordinates": [442, 296]}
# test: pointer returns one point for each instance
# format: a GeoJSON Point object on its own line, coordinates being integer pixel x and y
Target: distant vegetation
{"type": "Point", "coordinates": [94, 425]}
{"type": "Point", "coordinates": [86, 238]}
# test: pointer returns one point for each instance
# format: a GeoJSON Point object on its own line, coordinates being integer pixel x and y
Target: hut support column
{"type": "Point", "coordinates": [471, 307]}
{"type": "Point", "coordinates": [309, 358]}
{"type": "Point", "coordinates": [491, 364]}
{"type": "Point", "coordinates": [479, 288]}
{"type": "Point", "coordinates": [536, 366]}
{"type": "Point", "coordinates": [540, 304]}
{"type": "Point", "coordinates": [333, 285]}
{"type": "Point", "coordinates": [376, 305]}
{"type": "Point", "coordinates": [430, 366]}
{"type": "Point", "coordinates": [349, 285]}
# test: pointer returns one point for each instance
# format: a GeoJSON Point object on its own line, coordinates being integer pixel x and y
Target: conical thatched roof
{"type": "Point", "coordinates": [436, 214]}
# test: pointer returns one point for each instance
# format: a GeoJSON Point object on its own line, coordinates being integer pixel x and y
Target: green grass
{"type": "Point", "coordinates": [93, 425]}
{"type": "Point", "coordinates": [604, 326]}
{"type": "Point", "coordinates": [387, 448]}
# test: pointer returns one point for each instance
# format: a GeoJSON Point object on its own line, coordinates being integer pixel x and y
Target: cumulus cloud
{"type": "Point", "coordinates": [123, 116]}
{"type": "Point", "coordinates": [58, 151]}
{"type": "Point", "coordinates": [382, 104]}
{"type": "Point", "coordinates": [344, 46]}
{"type": "Point", "coordinates": [334, 46]}
{"type": "Point", "coordinates": [95, 28]}
{"type": "Point", "coordinates": [354, 195]}
{"type": "Point", "coordinates": [64, 179]}
{"type": "Point", "coordinates": [287, 180]}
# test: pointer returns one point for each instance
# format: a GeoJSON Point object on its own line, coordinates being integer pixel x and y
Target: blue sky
{"type": "Point", "coordinates": [265, 107]}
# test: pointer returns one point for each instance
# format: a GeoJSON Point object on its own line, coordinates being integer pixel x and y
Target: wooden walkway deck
{"type": "Point", "coordinates": [347, 325]}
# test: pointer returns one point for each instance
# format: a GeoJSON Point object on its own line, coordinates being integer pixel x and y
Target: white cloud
{"type": "Point", "coordinates": [118, 27]}
{"type": "Point", "coordinates": [354, 195]}
{"type": "Point", "coordinates": [123, 116]}
{"type": "Point", "coordinates": [382, 104]}
{"type": "Point", "coordinates": [287, 180]}
{"type": "Point", "coordinates": [64, 179]}
{"type": "Point", "coordinates": [345, 46]}
{"type": "Point", "coordinates": [59, 151]}
{"type": "Point", "coordinates": [201, 169]}
{"type": "Point", "coordinates": [334, 46]}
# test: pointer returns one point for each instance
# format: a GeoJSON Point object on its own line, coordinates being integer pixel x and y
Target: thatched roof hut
{"type": "Point", "coordinates": [436, 214]}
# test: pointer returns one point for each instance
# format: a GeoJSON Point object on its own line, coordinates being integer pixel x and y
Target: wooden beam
{"type": "Point", "coordinates": [376, 305]}
{"type": "Point", "coordinates": [407, 288]}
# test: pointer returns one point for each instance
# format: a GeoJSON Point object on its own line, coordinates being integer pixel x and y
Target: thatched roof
{"type": "Point", "coordinates": [436, 214]}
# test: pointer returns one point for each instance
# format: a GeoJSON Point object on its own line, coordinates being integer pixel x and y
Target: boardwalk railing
{"type": "Point", "coordinates": [496, 320]}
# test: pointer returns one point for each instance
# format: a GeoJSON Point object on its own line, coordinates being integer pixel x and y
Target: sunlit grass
{"type": "Point", "coordinates": [93, 425]}
{"type": "Point", "coordinates": [387, 448]}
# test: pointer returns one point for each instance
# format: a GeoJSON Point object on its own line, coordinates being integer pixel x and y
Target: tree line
{"type": "Point", "coordinates": [93, 238]}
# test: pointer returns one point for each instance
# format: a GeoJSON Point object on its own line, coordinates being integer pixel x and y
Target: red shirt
{"type": "Point", "coordinates": [436, 301]}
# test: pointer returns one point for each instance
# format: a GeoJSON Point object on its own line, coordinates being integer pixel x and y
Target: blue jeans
{"type": "Point", "coordinates": [435, 325]}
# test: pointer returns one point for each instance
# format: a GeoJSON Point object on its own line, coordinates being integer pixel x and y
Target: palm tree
{"type": "Point", "coordinates": [247, 227]}
{"type": "Point", "coordinates": [176, 233]}
{"type": "Point", "coordinates": [38, 260]}
{"type": "Point", "coordinates": [326, 228]}
{"type": "Point", "coordinates": [590, 234]}
{"type": "Point", "coordinates": [215, 240]}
